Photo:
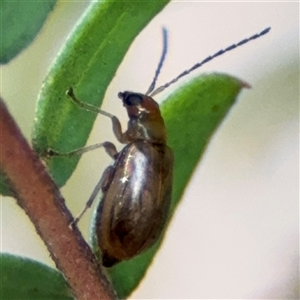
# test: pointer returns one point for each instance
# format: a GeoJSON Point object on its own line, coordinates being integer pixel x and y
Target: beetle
{"type": "Point", "coordinates": [137, 188]}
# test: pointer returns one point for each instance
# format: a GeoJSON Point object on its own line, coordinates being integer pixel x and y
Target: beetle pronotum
{"type": "Point", "coordinates": [137, 189]}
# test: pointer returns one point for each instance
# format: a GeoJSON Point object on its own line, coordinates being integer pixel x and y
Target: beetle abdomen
{"type": "Point", "coordinates": [135, 205]}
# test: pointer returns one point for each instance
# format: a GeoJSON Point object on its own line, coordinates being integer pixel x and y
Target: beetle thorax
{"type": "Point", "coordinates": [145, 121]}
{"type": "Point", "coordinates": [153, 130]}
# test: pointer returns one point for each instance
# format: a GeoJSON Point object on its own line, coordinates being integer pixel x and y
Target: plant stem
{"type": "Point", "coordinates": [38, 195]}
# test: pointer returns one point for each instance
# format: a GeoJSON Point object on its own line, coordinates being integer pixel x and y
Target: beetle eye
{"type": "Point", "coordinates": [133, 99]}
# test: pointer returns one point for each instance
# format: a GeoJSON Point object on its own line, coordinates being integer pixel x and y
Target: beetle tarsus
{"type": "Point", "coordinates": [51, 153]}
{"type": "Point", "coordinates": [73, 223]}
{"type": "Point", "coordinates": [70, 92]}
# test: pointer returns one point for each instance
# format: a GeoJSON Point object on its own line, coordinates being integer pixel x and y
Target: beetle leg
{"type": "Point", "coordinates": [101, 185]}
{"type": "Point", "coordinates": [109, 147]}
{"type": "Point", "coordinates": [86, 106]}
{"type": "Point", "coordinates": [117, 128]}
{"type": "Point", "coordinates": [111, 150]}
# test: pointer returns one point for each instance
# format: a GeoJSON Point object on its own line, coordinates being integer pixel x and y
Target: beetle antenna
{"type": "Point", "coordinates": [209, 58]}
{"type": "Point", "coordinates": [161, 61]}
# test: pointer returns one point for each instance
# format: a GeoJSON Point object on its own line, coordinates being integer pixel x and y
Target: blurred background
{"type": "Point", "coordinates": [236, 232]}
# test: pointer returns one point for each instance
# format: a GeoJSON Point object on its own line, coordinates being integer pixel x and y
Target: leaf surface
{"type": "Point", "coordinates": [26, 279]}
{"type": "Point", "coordinates": [21, 21]}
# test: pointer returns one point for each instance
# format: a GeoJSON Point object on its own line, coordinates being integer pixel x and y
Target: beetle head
{"type": "Point", "coordinates": [145, 120]}
{"type": "Point", "coordinates": [139, 106]}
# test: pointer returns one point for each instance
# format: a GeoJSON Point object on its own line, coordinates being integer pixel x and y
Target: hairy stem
{"type": "Point", "coordinates": [38, 195]}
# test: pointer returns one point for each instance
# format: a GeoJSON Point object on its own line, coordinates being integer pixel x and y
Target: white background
{"type": "Point", "coordinates": [236, 233]}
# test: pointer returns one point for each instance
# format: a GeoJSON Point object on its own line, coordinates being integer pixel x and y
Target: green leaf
{"type": "Point", "coordinates": [4, 187]}
{"type": "Point", "coordinates": [22, 278]}
{"type": "Point", "coordinates": [192, 114]}
{"type": "Point", "coordinates": [88, 63]}
{"type": "Point", "coordinates": [20, 23]}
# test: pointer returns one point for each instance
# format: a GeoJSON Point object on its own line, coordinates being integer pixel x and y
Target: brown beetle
{"type": "Point", "coordinates": [137, 189]}
{"type": "Point", "coordinates": [137, 194]}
